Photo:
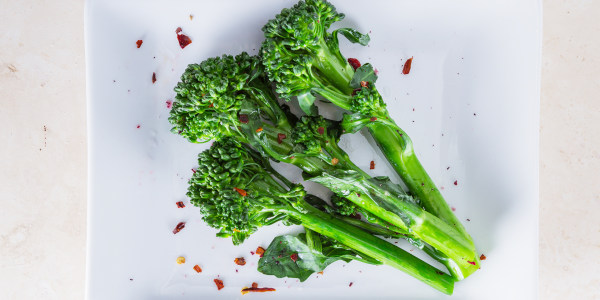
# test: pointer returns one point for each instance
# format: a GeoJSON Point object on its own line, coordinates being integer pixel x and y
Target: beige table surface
{"type": "Point", "coordinates": [43, 150]}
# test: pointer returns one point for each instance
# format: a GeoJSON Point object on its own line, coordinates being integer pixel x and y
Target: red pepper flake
{"type": "Point", "coordinates": [153, 77]}
{"type": "Point", "coordinates": [259, 129]}
{"type": "Point", "coordinates": [280, 138]}
{"type": "Point", "coordinates": [351, 283]}
{"type": "Point", "coordinates": [139, 43]}
{"type": "Point", "coordinates": [256, 289]}
{"type": "Point", "coordinates": [354, 63]}
{"type": "Point", "coordinates": [440, 272]}
{"type": "Point", "coordinates": [183, 39]}
{"type": "Point", "coordinates": [194, 171]}
{"type": "Point", "coordinates": [376, 71]}
{"type": "Point", "coordinates": [321, 130]}
{"type": "Point", "coordinates": [455, 182]}
{"type": "Point", "coordinates": [219, 284]}
{"type": "Point", "coordinates": [241, 192]}
{"type": "Point", "coordinates": [260, 251]}
{"type": "Point", "coordinates": [372, 166]}
{"type": "Point", "coordinates": [355, 91]}
{"type": "Point", "coordinates": [320, 273]}
{"type": "Point", "coordinates": [180, 204]}
{"type": "Point", "coordinates": [178, 228]}
{"type": "Point", "coordinates": [240, 261]}
{"type": "Point", "coordinates": [482, 257]}
{"type": "Point", "coordinates": [169, 104]}
{"type": "Point", "coordinates": [294, 257]}
{"type": "Point", "coordinates": [334, 161]}
{"type": "Point", "coordinates": [471, 262]}
{"type": "Point", "coordinates": [453, 209]}
{"type": "Point", "coordinates": [197, 269]}
{"type": "Point", "coordinates": [373, 119]}
{"type": "Point", "coordinates": [244, 119]}
{"type": "Point", "coordinates": [364, 84]}
{"type": "Point", "coordinates": [211, 105]}
{"type": "Point", "coordinates": [407, 66]}
{"type": "Point", "coordinates": [138, 126]}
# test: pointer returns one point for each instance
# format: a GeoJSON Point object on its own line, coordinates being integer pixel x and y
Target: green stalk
{"type": "Point", "coordinates": [373, 247]}
{"type": "Point", "coordinates": [339, 73]}
{"type": "Point", "coordinates": [398, 149]}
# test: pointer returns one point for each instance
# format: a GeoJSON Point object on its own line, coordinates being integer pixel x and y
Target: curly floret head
{"type": "Point", "coordinates": [221, 187]}
{"type": "Point", "coordinates": [292, 40]}
{"type": "Point", "coordinates": [343, 206]}
{"type": "Point", "coordinates": [210, 95]}
{"type": "Point", "coordinates": [367, 101]}
{"type": "Point", "coordinates": [311, 132]}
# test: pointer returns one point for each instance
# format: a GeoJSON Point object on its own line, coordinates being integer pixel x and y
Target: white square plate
{"type": "Point", "coordinates": [470, 104]}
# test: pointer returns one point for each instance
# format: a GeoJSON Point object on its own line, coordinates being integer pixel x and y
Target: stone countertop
{"type": "Point", "coordinates": [43, 127]}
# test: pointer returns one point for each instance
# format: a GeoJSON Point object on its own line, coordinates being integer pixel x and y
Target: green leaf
{"type": "Point", "coordinates": [364, 73]}
{"type": "Point", "coordinates": [277, 259]}
{"type": "Point", "coordinates": [353, 36]}
{"type": "Point", "coordinates": [307, 104]}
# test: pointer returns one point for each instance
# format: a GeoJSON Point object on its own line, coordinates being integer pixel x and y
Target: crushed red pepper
{"type": "Point", "coordinates": [183, 39]}
{"type": "Point", "coordinates": [294, 257]}
{"type": "Point", "coordinates": [197, 269]}
{"type": "Point", "coordinates": [373, 119]}
{"type": "Point", "coordinates": [455, 182]}
{"type": "Point", "coordinates": [354, 63]}
{"type": "Point", "coordinates": [169, 104]}
{"type": "Point", "coordinates": [482, 257]}
{"type": "Point", "coordinates": [180, 204]}
{"type": "Point", "coordinates": [153, 77]}
{"type": "Point", "coordinates": [240, 261]}
{"type": "Point", "coordinates": [351, 283]}
{"type": "Point", "coordinates": [244, 119]}
{"type": "Point", "coordinates": [334, 161]}
{"type": "Point", "coordinates": [139, 43]}
{"type": "Point", "coordinates": [219, 284]}
{"type": "Point", "coordinates": [255, 288]}
{"type": "Point", "coordinates": [407, 66]}
{"type": "Point", "coordinates": [280, 138]}
{"type": "Point", "coordinates": [372, 166]}
{"type": "Point", "coordinates": [364, 84]}
{"type": "Point", "coordinates": [471, 262]}
{"type": "Point", "coordinates": [260, 251]}
{"type": "Point", "coordinates": [259, 129]}
{"type": "Point", "coordinates": [241, 192]}
{"type": "Point", "coordinates": [178, 228]}
{"type": "Point", "coordinates": [321, 130]}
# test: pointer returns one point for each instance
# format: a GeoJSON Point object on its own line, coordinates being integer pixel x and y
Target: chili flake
{"type": "Point", "coordinates": [255, 288]}
{"type": "Point", "coordinates": [260, 251]}
{"type": "Point", "coordinates": [482, 257]}
{"type": "Point", "coordinates": [455, 182]}
{"type": "Point", "coordinates": [354, 63]}
{"type": "Point", "coordinates": [372, 166]}
{"type": "Point", "coordinates": [180, 204]}
{"type": "Point", "coordinates": [240, 261]}
{"type": "Point", "coordinates": [219, 284]}
{"type": "Point", "coordinates": [169, 104]}
{"type": "Point", "coordinates": [197, 269]}
{"type": "Point", "coordinates": [153, 77]}
{"type": "Point", "coordinates": [294, 257]}
{"type": "Point", "coordinates": [178, 228]}
{"type": "Point", "coordinates": [351, 283]}
{"type": "Point", "coordinates": [280, 138]}
{"type": "Point", "coordinates": [334, 161]}
{"type": "Point", "coordinates": [180, 260]}
{"type": "Point", "coordinates": [364, 84]}
{"type": "Point", "coordinates": [139, 43]}
{"type": "Point", "coordinates": [241, 192]}
{"type": "Point", "coordinates": [259, 129]}
{"type": "Point", "coordinates": [321, 130]}
{"type": "Point", "coordinates": [407, 66]}
{"type": "Point", "coordinates": [373, 119]}
{"type": "Point", "coordinates": [471, 262]}
{"type": "Point", "coordinates": [183, 39]}
{"type": "Point", "coordinates": [244, 119]}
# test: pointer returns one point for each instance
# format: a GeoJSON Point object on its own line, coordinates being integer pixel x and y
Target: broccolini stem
{"type": "Point", "coordinates": [337, 71]}
{"type": "Point", "coordinates": [398, 149]}
{"type": "Point", "coordinates": [373, 247]}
